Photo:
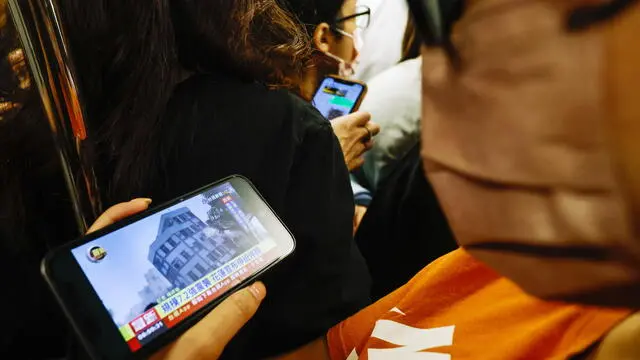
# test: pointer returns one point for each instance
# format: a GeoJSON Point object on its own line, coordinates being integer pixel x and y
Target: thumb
{"type": "Point", "coordinates": [209, 337]}
{"type": "Point", "coordinates": [119, 212]}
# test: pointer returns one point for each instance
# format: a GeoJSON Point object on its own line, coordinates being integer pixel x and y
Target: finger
{"type": "Point", "coordinates": [359, 118]}
{"type": "Point", "coordinates": [119, 212]}
{"type": "Point", "coordinates": [212, 334]}
{"type": "Point", "coordinates": [367, 135]}
{"type": "Point", "coordinates": [369, 145]}
{"type": "Point", "coordinates": [374, 128]}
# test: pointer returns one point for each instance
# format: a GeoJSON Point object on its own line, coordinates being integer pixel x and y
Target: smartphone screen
{"type": "Point", "coordinates": [336, 97]}
{"type": "Point", "coordinates": [154, 273]}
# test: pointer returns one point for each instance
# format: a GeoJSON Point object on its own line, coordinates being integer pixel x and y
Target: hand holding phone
{"type": "Point", "coordinates": [209, 336]}
{"type": "Point", "coordinates": [337, 97]}
{"type": "Point", "coordinates": [355, 132]}
{"type": "Point", "coordinates": [133, 287]}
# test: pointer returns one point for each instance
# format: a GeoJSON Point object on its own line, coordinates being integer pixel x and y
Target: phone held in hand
{"type": "Point", "coordinates": [337, 96]}
{"type": "Point", "coordinates": [133, 287]}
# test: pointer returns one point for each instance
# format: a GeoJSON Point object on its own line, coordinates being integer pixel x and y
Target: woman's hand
{"type": "Point", "coordinates": [119, 212]}
{"type": "Point", "coordinates": [355, 133]}
{"type": "Point", "coordinates": [207, 339]}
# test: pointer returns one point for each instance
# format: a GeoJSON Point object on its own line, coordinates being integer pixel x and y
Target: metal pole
{"type": "Point", "coordinates": [46, 49]}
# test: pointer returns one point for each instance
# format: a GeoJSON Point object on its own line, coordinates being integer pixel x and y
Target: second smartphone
{"type": "Point", "coordinates": [337, 96]}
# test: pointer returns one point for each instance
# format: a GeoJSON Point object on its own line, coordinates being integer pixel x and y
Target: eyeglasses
{"type": "Point", "coordinates": [435, 19]}
{"type": "Point", "coordinates": [362, 16]}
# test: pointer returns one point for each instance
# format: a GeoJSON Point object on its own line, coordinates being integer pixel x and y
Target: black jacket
{"type": "Point", "coordinates": [405, 228]}
{"type": "Point", "coordinates": [289, 151]}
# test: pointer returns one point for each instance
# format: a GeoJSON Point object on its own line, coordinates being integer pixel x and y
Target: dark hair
{"type": "Point", "coordinates": [131, 54]}
{"type": "Point", "coordinates": [258, 40]}
{"type": "Point", "coordinates": [311, 13]}
{"type": "Point", "coordinates": [411, 42]}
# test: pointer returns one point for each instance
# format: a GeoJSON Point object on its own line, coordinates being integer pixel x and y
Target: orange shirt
{"type": "Point", "coordinates": [459, 307]}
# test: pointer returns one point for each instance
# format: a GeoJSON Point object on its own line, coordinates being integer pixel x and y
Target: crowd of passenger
{"type": "Point", "coordinates": [491, 174]}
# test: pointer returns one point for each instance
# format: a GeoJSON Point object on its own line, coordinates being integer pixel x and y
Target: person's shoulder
{"type": "Point", "coordinates": [208, 101]}
{"type": "Point", "coordinates": [402, 77]}
{"type": "Point", "coordinates": [397, 90]}
{"type": "Point", "coordinates": [304, 114]}
{"type": "Point", "coordinates": [229, 89]}
{"type": "Point", "coordinates": [305, 109]}
{"type": "Point", "coordinates": [225, 87]}
{"type": "Point", "coordinates": [212, 97]}
{"type": "Point", "coordinates": [402, 74]}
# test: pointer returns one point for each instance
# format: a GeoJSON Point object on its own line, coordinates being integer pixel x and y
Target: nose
{"type": "Point", "coordinates": [357, 44]}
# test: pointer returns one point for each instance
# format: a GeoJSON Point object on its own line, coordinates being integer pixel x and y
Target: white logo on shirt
{"type": "Point", "coordinates": [411, 341]}
{"type": "Point", "coordinates": [398, 311]}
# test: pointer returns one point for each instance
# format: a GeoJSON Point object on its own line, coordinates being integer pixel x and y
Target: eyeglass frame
{"type": "Point", "coordinates": [365, 10]}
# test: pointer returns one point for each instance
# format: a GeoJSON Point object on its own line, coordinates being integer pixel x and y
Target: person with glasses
{"type": "Point", "coordinates": [334, 27]}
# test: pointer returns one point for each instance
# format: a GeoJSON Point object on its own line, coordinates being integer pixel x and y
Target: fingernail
{"type": "Point", "coordinates": [147, 201]}
{"type": "Point", "coordinates": [258, 291]}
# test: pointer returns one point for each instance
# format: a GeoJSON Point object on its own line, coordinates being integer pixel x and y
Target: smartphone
{"type": "Point", "coordinates": [133, 287]}
{"type": "Point", "coordinates": [337, 96]}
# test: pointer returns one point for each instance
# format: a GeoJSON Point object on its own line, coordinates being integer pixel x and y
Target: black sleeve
{"type": "Point", "coordinates": [326, 280]}
{"type": "Point", "coordinates": [404, 209]}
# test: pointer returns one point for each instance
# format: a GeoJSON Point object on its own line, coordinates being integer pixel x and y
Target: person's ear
{"type": "Point", "coordinates": [322, 37]}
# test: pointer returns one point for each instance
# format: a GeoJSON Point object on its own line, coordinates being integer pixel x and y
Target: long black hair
{"type": "Point", "coordinates": [411, 41]}
{"type": "Point", "coordinates": [127, 65]}
{"type": "Point", "coordinates": [131, 54]}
